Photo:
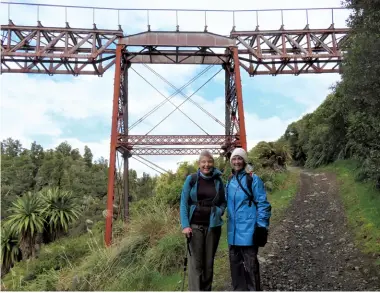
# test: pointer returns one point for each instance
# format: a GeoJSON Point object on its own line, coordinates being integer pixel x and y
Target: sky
{"type": "Point", "coordinates": [53, 109]}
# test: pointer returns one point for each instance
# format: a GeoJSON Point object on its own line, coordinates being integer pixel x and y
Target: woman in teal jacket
{"type": "Point", "coordinates": [201, 209]}
{"type": "Point", "coordinates": [248, 213]}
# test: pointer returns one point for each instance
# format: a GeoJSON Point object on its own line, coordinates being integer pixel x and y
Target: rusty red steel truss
{"type": "Point", "coordinates": [291, 51]}
{"type": "Point", "coordinates": [175, 151]}
{"type": "Point", "coordinates": [175, 139]}
{"type": "Point", "coordinates": [38, 49]}
{"type": "Point", "coordinates": [217, 144]}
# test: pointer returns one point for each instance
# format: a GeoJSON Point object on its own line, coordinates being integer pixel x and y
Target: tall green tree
{"type": "Point", "coordinates": [44, 173]}
{"type": "Point", "coordinates": [169, 185]}
{"type": "Point", "coordinates": [24, 173]}
{"type": "Point", "coordinates": [88, 156]}
{"type": "Point", "coordinates": [75, 154]}
{"type": "Point", "coordinates": [61, 209]}
{"type": "Point", "coordinates": [76, 177]}
{"type": "Point", "coordinates": [98, 180]}
{"type": "Point", "coordinates": [36, 154]}
{"type": "Point", "coordinates": [11, 147]}
{"type": "Point", "coordinates": [27, 219]}
{"type": "Point", "coordinates": [64, 148]}
{"type": "Point", "coordinates": [361, 85]}
{"type": "Point", "coordinates": [145, 186]}
{"type": "Point", "coordinates": [272, 155]}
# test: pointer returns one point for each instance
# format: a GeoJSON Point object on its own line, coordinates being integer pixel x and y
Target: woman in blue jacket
{"type": "Point", "coordinates": [248, 213]}
{"type": "Point", "coordinates": [201, 209]}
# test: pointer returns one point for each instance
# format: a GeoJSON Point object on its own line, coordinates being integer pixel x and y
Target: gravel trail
{"type": "Point", "coordinates": [312, 249]}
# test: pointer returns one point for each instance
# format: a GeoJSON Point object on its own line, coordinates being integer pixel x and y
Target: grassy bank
{"type": "Point", "coordinates": [362, 205]}
{"type": "Point", "coordinates": [281, 198]}
{"type": "Point", "coordinates": [145, 258]}
{"type": "Point", "coordinates": [149, 257]}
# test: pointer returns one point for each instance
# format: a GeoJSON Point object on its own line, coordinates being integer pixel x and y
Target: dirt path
{"type": "Point", "coordinates": [312, 249]}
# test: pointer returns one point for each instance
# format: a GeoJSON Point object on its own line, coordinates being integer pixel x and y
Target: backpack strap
{"type": "Point", "coordinates": [216, 200]}
{"type": "Point", "coordinates": [249, 181]}
{"type": "Point", "coordinates": [193, 179]}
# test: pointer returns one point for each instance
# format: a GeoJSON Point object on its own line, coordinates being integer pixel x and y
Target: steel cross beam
{"type": "Point", "coordinates": [133, 140]}
{"type": "Point", "coordinates": [172, 151]}
{"type": "Point", "coordinates": [49, 50]}
{"type": "Point", "coordinates": [148, 144]}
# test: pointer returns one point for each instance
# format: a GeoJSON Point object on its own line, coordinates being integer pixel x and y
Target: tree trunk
{"type": "Point", "coordinates": [27, 246]}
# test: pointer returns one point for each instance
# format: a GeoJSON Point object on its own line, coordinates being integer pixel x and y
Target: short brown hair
{"type": "Point", "coordinates": [205, 153]}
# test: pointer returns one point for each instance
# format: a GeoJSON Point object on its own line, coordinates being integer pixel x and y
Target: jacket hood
{"type": "Point", "coordinates": [242, 171]}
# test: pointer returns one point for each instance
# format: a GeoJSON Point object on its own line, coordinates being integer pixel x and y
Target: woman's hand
{"type": "Point", "coordinates": [187, 231]}
{"type": "Point", "coordinates": [261, 236]}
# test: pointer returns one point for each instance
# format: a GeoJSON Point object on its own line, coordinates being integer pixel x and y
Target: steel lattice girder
{"type": "Point", "coordinates": [171, 151]}
{"type": "Point", "coordinates": [291, 51]}
{"type": "Point", "coordinates": [175, 140]}
{"type": "Point", "coordinates": [38, 49]}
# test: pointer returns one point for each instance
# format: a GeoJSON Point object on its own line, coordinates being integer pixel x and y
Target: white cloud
{"type": "Point", "coordinates": [98, 149]}
{"type": "Point", "coordinates": [21, 113]}
{"type": "Point", "coordinates": [27, 103]}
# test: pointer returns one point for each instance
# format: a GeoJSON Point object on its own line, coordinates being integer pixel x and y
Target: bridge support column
{"type": "Point", "coordinates": [119, 125]}
{"type": "Point", "coordinates": [239, 97]}
{"type": "Point", "coordinates": [123, 128]}
{"type": "Point", "coordinates": [234, 121]}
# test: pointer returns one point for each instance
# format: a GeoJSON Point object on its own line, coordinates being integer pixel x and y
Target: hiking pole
{"type": "Point", "coordinates": [185, 261]}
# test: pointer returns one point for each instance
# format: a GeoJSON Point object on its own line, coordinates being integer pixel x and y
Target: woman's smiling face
{"type": "Point", "coordinates": [237, 163]}
{"type": "Point", "coordinates": [206, 164]}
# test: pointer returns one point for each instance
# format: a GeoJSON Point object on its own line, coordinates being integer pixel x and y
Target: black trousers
{"type": "Point", "coordinates": [245, 270]}
{"type": "Point", "coordinates": [203, 246]}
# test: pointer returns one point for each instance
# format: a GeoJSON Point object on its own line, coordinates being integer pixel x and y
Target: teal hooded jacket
{"type": "Point", "coordinates": [189, 200]}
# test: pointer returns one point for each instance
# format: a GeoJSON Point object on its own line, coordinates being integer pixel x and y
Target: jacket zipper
{"type": "Point", "coordinates": [217, 193]}
{"type": "Point", "coordinates": [234, 217]}
{"type": "Point", "coordinates": [235, 209]}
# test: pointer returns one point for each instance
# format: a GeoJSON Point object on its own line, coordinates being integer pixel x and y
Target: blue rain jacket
{"type": "Point", "coordinates": [189, 201]}
{"type": "Point", "coordinates": [242, 219]}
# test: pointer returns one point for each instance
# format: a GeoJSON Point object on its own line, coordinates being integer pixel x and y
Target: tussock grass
{"type": "Point", "coordinates": [164, 256]}
{"type": "Point", "coordinates": [64, 253]}
{"type": "Point", "coordinates": [149, 249]}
